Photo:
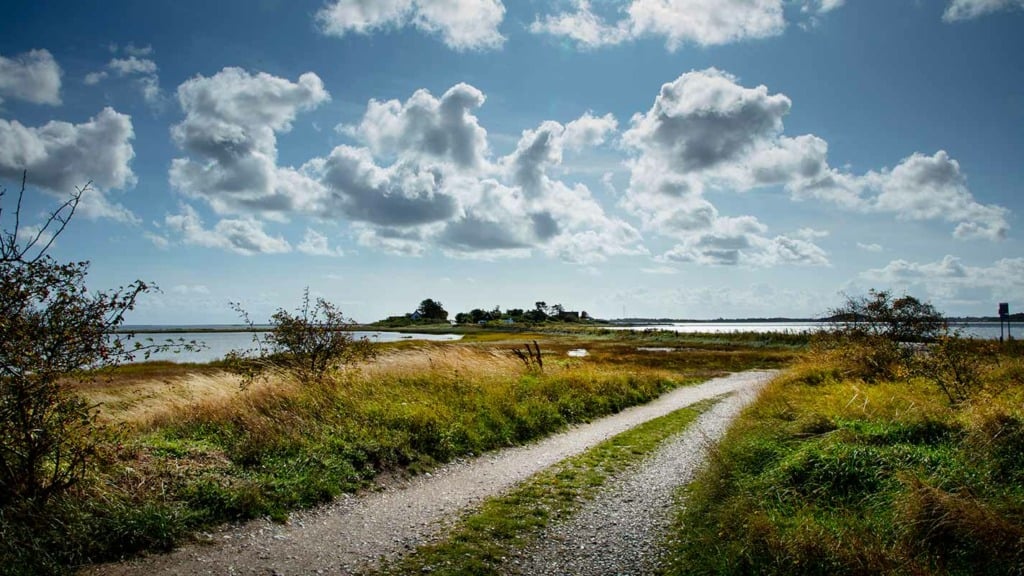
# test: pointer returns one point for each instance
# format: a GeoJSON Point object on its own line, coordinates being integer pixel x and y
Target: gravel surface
{"type": "Point", "coordinates": [356, 532]}
{"type": "Point", "coordinates": [621, 531]}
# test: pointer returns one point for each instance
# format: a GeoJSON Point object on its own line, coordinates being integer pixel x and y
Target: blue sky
{"type": "Point", "coordinates": [668, 158]}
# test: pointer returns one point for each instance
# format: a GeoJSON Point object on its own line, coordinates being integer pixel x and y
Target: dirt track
{"type": "Point", "coordinates": [621, 531]}
{"type": "Point", "coordinates": [355, 532]}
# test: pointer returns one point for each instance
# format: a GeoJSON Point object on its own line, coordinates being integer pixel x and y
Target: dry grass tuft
{"type": "Point", "coordinates": [136, 401]}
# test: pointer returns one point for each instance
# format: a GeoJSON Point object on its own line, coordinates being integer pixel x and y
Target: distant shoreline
{"type": "Point", "coordinates": [433, 328]}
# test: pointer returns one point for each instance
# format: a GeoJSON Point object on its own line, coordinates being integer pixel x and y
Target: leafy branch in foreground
{"type": "Point", "coordinates": [307, 344]}
{"type": "Point", "coordinates": [54, 332]}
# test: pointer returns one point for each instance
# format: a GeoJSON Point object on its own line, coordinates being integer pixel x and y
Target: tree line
{"type": "Point", "coordinates": [432, 311]}
{"type": "Point", "coordinates": [541, 312]}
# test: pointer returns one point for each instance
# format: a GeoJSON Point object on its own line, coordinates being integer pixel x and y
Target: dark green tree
{"type": "Point", "coordinates": [478, 315]}
{"type": "Point", "coordinates": [432, 310]}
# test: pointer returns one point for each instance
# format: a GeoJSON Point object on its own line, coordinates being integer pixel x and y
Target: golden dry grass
{"type": "Point", "coordinates": [149, 398]}
{"type": "Point", "coordinates": [136, 401]}
{"type": "Point", "coordinates": [445, 359]}
{"type": "Point", "coordinates": [146, 395]}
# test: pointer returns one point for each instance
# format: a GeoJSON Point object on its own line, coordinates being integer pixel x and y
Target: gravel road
{"type": "Point", "coordinates": [356, 532]}
{"type": "Point", "coordinates": [621, 531]}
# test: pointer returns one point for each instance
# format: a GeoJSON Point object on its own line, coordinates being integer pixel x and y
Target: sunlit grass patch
{"type": "Point", "coordinates": [825, 475]}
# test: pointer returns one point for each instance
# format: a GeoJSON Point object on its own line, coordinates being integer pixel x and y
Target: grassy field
{"type": "Point", "coordinates": [835, 470]}
{"type": "Point", "coordinates": [186, 447]}
{"type": "Point", "coordinates": [829, 474]}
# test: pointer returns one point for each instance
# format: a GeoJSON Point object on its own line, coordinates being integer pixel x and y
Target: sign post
{"type": "Point", "coordinates": [1004, 316]}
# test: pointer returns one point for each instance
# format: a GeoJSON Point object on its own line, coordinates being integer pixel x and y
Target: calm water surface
{"type": "Point", "coordinates": [985, 330]}
{"type": "Point", "coordinates": [218, 344]}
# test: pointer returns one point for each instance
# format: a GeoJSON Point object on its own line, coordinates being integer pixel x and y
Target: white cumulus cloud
{"type": "Point", "coordinates": [426, 178]}
{"type": "Point", "coordinates": [316, 244]}
{"type": "Point", "coordinates": [703, 130]}
{"type": "Point", "coordinates": [132, 65]}
{"type": "Point", "coordinates": [400, 195]}
{"type": "Point", "coordinates": [969, 9]}
{"type": "Point", "coordinates": [707, 131]}
{"type": "Point", "coordinates": [706, 22]}
{"type": "Point", "coordinates": [588, 131]}
{"type": "Point", "coordinates": [932, 187]}
{"type": "Point", "coordinates": [583, 27]}
{"type": "Point", "coordinates": [461, 24]}
{"type": "Point", "coordinates": [33, 77]}
{"type": "Point", "coordinates": [136, 66]}
{"type": "Point", "coordinates": [678, 22]}
{"type": "Point", "coordinates": [230, 135]}
{"type": "Point", "coordinates": [243, 236]}
{"type": "Point", "coordinates": [61, 156]}
{"type": "Point", "coordinates": [428, 128]}
{"type": "Point", "coordinates": [705, 119]}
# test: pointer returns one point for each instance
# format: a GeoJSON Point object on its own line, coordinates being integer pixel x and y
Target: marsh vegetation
{"type": "Point", "coordinates": [185, 446]}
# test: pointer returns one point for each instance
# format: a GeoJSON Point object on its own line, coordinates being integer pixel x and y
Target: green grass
{"type": "Point", "coordinates": [826, 475]}
{"type": "Point", "coordinates": [220, 454]}
{"type": "Point", "coordinates": [482, 541]}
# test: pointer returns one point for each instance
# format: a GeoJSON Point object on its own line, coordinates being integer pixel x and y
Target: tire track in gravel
{"type": "Point", "coordinates": [622, 530]}
{"type": "Point", "coordinates": [356, 532]}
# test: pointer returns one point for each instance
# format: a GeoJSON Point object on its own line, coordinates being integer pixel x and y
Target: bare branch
{"type": "Point", "coordinates": [71, 204]}
{"type": "Point", "coordinates": [17, 210]}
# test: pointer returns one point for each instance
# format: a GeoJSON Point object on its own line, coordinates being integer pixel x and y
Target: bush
{"type": "Point", "coordinates": [53, 332]}
{"type": "Point", "coordinates": [955, 364]}
{"type": "Point", "coordinates": [307, 344]}
{"type": "Point", "coordinates": [879, 315]}
{"type": "Point", "coordinates": [876, 337]}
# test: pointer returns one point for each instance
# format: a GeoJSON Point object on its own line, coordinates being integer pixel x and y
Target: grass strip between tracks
{"type": "Point", "coordinates": [483, 541]}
